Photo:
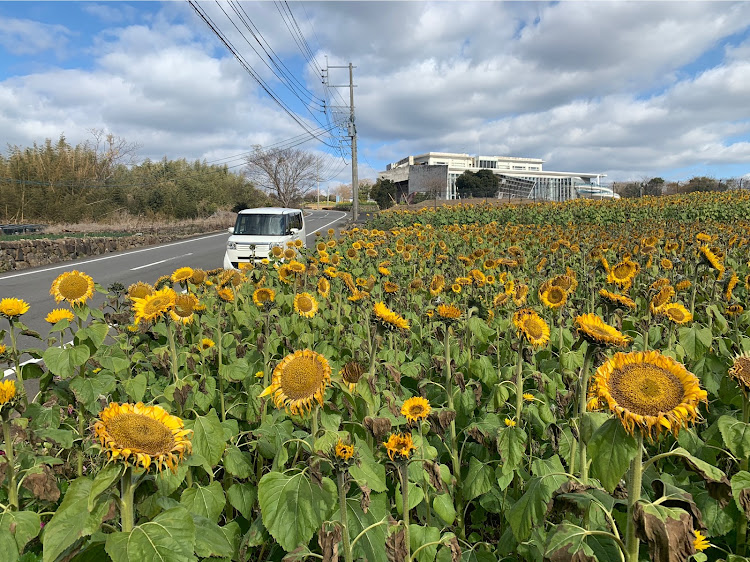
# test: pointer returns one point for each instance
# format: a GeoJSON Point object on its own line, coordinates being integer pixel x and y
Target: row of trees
{"type": "Point", "coordinates": [657, 186]}
{"type": "Point", "coordinates": [94, 180]}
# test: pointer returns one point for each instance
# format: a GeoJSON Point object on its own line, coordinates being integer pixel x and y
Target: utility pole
{"type": "Point", "coordinates": [317, 178]}
{"type": "Point", "coordinates": [352, 133]}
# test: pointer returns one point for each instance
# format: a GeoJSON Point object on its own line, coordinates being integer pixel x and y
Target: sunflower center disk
{"type": "Point", "coordinates": [73, 287]}
{"type": "Point", "coordinates": [646, 390]}
{"type": "Point", "coordinates": [305, 304]}
{"type": "Point", "coordinates": [156, 305]}
{"type": "Point", "coordinates": [301, 378]}
{"type": "Point", "coordinates": [534, 328]}
{"type": "Point", "coordinates": [140, 434]}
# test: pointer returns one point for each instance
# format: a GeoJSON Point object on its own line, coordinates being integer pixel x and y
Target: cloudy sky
{"type": "Point", "coordinates": [631, 89]}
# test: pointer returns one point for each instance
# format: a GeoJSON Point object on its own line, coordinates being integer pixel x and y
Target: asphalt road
{"type": "Point", "coordinates": [144, 264]}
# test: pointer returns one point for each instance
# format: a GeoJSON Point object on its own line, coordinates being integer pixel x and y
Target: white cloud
{"type": "Point", "coordinates": [27, 37]}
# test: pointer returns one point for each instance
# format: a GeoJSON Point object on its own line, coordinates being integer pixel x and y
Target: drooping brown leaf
{"type": "Point", "coordinates": [477, 435]}
{"type": "Point", "coordinates": [720, 490]}
{"type": "Point", "coordinates": [329, 542]}
{"type": "Point", "coordinates": [395, 546]}
{"type": "Point", "coordinates": [559, 504]}
{"type": "Point", "coordinates": [678, 498]}
{"type": "Point", "coordinates": [297, 555]}
{"type": "Point", "coordinates": [433, 470]}
{"type": "Point", "coordinates": [394, 373]}
{"type": "Point", "coordinates": [455, 549]}
{"type": "Point", "coordinates": [667, 531]}
{"type": "Point", "coordinates": [458, 376]}
{"type": "Point", "coordinates": [43, 485]}
{"type": "Point", "coordinates": [364, 501]}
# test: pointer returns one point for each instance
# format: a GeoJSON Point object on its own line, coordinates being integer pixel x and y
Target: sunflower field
{"type": "Point", "coordinates": [552, 382]}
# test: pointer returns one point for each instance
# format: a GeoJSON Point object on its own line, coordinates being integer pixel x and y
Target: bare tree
{"type": "Point", "coordinates": [111, 151]}
{"type": "Point", "coordinates": [287, 174]}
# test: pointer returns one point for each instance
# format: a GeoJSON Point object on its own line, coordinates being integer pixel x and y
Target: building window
{"type": "Point", "coordinates": [519, 167]}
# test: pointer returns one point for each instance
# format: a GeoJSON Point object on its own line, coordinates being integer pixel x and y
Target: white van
{"type": "Point", "coordinates": [258, 230]}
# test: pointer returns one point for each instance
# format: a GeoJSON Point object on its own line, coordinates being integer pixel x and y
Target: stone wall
{"type": "Point", "coordinates": [22, 254]}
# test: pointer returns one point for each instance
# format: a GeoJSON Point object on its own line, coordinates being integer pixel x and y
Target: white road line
{"type": "Point", "coordinates": [160, 261]}
{"type": "Point", "coordinates": [329, 224]}
{"type": "Point", "coordinates": [77, 263]}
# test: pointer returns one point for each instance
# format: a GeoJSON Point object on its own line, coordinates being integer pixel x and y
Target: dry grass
{"type": "Point", "coordinates": [471, 201]}
{"type": "Point", "coordinates": [128, 223]}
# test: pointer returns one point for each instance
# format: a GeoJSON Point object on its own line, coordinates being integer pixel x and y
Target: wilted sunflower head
{"type": "Point", "coordinates": [415, 409]}
{"type": "Point", "coordinates": [648, 391]}
{"type": "Point", "coordinates": [139, 290]}
{"type": "Point", "coordinates": [734, 310]}
{"type": "Point", "coordinates": [289, 253]}
{"type": "Point", "coordinates": [437, 284]}
{"type": "Point", "coordinates": [198, 277]}
{"type": "Point", "coordinates": [617, 299]}
{"type": "Point", "coordinates": [389, 319]}
{"type": "Point", "coordinates": [351, 372]}
{"type": "Point", "coordinates": [183, 308]}
{"type": "Point", "coordinates": [740, 371]}
{"type": "Point", "coordinates": [73, 286]}
{"type": "Point", "coordinates": [153, 306]}
{"type": "Point", "coordinates": [531, 326]}
{"type": "Point", "coordinates": [390, 287]}
{"type": "Point", "coordinates": [305, 305]}
{"type": "Point", "coordinates": [596, 332]}
{"type": "Point", "coordinates": [59, 314]}
{"type": "Point", "coordinates": [144, 435]}
{"type": "Point", "coordinates": [12, 307]}
{"type": "Point", "coordinates": [662, 298]}
{"type": "Point", "coordinates": [182, 274]}
{"type": "Point", "coordinates": [400, 446]}
{"type": "Point", "coordinates": [226, 294]}
{"type": "Point", "coordinates": [299, 379]}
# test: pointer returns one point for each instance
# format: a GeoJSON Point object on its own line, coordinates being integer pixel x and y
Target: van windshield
{"type": "Point", "coordinates": [260, 225]}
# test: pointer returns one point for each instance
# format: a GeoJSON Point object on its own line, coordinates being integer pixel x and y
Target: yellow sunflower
{"type": "Point", "coordinates": [59, 314]}
{"type": "Point", "coordinates": [12, 307]}
{"type": "Point", "coordinates": [181, 274]}
{"type": "Point", "coordinates": [207, 343]}
{"type": "Point", "coordinates": [183, 308]}
{"type": "Point", "coordinates": [553, 296]}
{"type": "Point", "coordinates": [700, 542]}
{"type": "Point", "coordinates": [298, 268]}
{"type": "Point", "coordinates": [73, 286]}
{"type": "Point", "coordinates": [139, 290]}
{"type": "Point", "coordinates": [740, 371]}
{"type": "Point", "coordinates": [153, 306]}
{"type": "Point", "coordinates": [622, 273]}
{"type": "Point", "coordinates": [648, 391]}
{"type": "Point", "coordinates": [263, 296]}
{"type": "Point", "coordinates": [399, 445]}
{"type": "Point", "coordinates": [143, 435]}
{"type": "Point", "coordinates": [415, 409]}
{"type": "Point", "coordinates": [198, 277]}
{"type": "Point", "coordinates": [677, 313]}
{"type": "Point", "coordinates": [277, 251]}
{"type": "Point", "coordinates": [290, 254]}
{"type": "Point", "coordinates": [388, 318]}
{"type": "Point", "coordinates": [594, 330]}
{"type": "Point", "coordinates": [390, 287]}
{"type": "Point", "coordinates": [226, 294]}
{"type": "Point", "coordinates": [734, 310]}
{"type": "Point", "coordinates": [305, 305]}
{"type": "Point", "coordinates": [500, 299]}
{"type": "Point", "coordinates": [618, 299]}
{"type": "Point", "coordinates": [299, 379]}
{"type": "Point", "coordinates": [661, 299]}
{"type": "Point", "coordinates": [437, 285]}
{"type": "Point", "coordinates": [448, 312]}
{"type": "Point", "coordinates": [531, 326]}
{"type": "Point", "coordinates": [351, 373]}
{"type": "Point", "coordinates": [324, 287]}
{"type": "Point", "coordinates": [7, 391]}
{"type": "Point", "coordinates": [343, 451]}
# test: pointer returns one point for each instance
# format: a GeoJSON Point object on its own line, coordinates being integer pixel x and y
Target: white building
{"type": "Point", "coordinates": [436, 172]}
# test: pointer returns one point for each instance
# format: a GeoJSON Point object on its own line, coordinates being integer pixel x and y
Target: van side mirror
{"type": "Point", "coordinates": [230, 230]}
{"type": "Point", "coordinates": [293, 230]}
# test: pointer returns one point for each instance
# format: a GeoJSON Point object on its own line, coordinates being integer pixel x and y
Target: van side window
{"type": "Point", "coordinates": [295, 221]}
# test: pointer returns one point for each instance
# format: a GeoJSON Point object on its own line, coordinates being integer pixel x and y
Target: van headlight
{"type": "Point", "coordinates": [231, 245]}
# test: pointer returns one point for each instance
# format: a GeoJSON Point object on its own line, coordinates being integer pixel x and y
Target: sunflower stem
{"type": "Point", "coordinates": [427, 484]}
{"type": "Point", "coordinates": [695, 289]}
{"type": "Point", "coordinates": [20, 388]}
{"type": "Point", "coordinates": [635, 480]}
{"type": "Point", "coordinates": [11, 464]}
{"type": "Point", "coordinates": [127, 492]}
{"type": "Point", "coordinates": [742, 521]}
{"type": "Point", "coordinates": [583, 387]}
{"type": "Point", "coordinates": [314, 422]}
{"type": "Point", "coordinates": [343, 514]}
{"type": "Point", "coordinates": [519, 384]}
{"type": "Point", "coordinates": [220, 357]}
{"type": "Point", "coordinates": [403, 471]}
{"type": "Point", "coordinates": [81, 430]}
{"type": "Point", "coordinates": [172, 351]}
{"type": "Point", "coordinates": [455, 458]}
{"type": "Point", "coordinates": [560, 338]}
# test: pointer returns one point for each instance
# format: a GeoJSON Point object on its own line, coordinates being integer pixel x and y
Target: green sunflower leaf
{"type": "Point", "coordinates": [170, 537]}
{"type": "Point", "coordinates": [611, 449]}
